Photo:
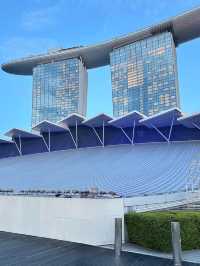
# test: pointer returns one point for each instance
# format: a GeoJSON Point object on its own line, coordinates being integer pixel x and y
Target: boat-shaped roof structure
{"type": "Point", "coordinates": [184, 28]}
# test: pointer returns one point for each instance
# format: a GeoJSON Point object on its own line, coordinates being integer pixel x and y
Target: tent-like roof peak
{"type": "Point", "coordinates": [190, 121]}
{"type": "Point", "coordinates": [5, 141]}
{"type": "Point", "coordinates": [72, 120]}
{"type": "Point", "coordinates": [163, 119]}
{"type": "Point", "coordinates": [16, 133]}
{"type": "Point", "coordinates": [127, 120]}
{"type": "Point", "coordinates": [47, 126]}
{"type": "Point", "coordinates": [98, 120]}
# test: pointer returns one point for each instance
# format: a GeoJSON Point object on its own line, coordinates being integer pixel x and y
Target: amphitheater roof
{"type": "Point", "coordinates": [5, 141]}
{"type": "Point", "coordinates": [191, 121]}
{"type": "Point", "coordinates": [184, 28]}
{"type": "Point", "coordinates": [98, 120]}
{"type": "Point", "coordinates": [163, 119]}
{"type": "Point", "coordinates": [72, 120]}
{"type": "Point", "coordinates": [47, 126]}
{"type": "Point", "coordinates": [127, 120]}
{"type": "Point", "coordinates": [15, 133]}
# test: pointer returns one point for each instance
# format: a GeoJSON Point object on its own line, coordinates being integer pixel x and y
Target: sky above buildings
{"type": "Point", "coordinates": [34, 26]}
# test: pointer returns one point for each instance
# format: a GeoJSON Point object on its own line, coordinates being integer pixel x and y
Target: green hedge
{"type": "Point", "coordinates": [153, 229]}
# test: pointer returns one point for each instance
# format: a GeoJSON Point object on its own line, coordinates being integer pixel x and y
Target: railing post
{"type": "Point", "coordinates": [118, 236]}
{"type": "Point", "coordinates": [176, 243]}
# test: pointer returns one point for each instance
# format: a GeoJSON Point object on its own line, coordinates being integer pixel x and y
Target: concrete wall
{"type": "Point", "coordinates": [89, 221]}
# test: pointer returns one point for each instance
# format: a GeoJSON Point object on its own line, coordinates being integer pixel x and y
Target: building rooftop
{"type": "Point", "coordinates": [184, 28]}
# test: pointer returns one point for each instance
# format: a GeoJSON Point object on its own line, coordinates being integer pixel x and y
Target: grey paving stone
{"type": "Point", "coordinates": [21, 250]}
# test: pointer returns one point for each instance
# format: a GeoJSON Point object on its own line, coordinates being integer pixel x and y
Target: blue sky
{"type": "Point", "coordinates": [34, 26]}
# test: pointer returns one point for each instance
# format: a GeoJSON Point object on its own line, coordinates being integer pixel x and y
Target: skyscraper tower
{"type": "Point", "coordinates": [143, 70]}
{"type": "Point", "coordinates": [144, 76]}
{"type": "Point", "coordinates": [59, 89]}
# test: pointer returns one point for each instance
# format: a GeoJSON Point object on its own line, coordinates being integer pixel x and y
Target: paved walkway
{"type": "Point", "coordinates": [188, 256]}
{"type": "Point", "coordinates": [20, 250]}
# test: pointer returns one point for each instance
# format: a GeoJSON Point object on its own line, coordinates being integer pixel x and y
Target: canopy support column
{"type": "Point", "coordinates": [49, 139]}
{"type": "Point", "coordinates": [171, 127]}
{"type": "Point", "coordinates": [159, 132]}
{"type": "Point", "coordinates": [130, 140]}
{"type": "Point", "coordinates": [196, 126]}
{"type": "Point", "coordinates": [76, 134]}
{"type": "Point", "coordinates": [102, 141]}
{"type": "Point", "coordinates": [133, 137]}
{"type": "Point", "coordinates": [103, 133]}
{"type": "Point", "coordinates": [74, 141]}
{"type": "Point", "coordinates": [96, 133]}
{"type": "Point", "coordinates": [45, 143]}
{"type": "Point", "coordinates": [20, 145]}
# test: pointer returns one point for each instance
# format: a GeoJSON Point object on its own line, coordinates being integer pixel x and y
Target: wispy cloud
{"type": "Point", "coordinates": [20, 46]}
{"type": "Point", "coordinates": [41, 17]}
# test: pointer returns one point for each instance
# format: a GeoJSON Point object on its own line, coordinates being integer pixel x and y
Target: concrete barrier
{"type": "Point", "coordinates": [89, 221]}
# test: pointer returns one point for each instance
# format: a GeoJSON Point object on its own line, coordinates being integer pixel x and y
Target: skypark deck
{"type": "Point", "coordinates": [184, 28]}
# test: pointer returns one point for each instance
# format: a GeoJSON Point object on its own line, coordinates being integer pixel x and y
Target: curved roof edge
{"type": "Point", "coordinates": [184, 28]}
{"type": "Point", "coordinates": [163, 119]}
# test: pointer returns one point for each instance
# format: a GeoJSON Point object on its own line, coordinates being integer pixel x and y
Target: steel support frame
{"type": "Point", "coordinates": [20, 145]}
{"type": "Point", "coordinates": [76, 126]}
{"type": "Point", "coordinates": [75, 141]}
{"type": "Point", "coordinates": [133, 136]}
{"type": "Point", "coordinates": [171, 128]}
{"type": "Point", "coordinates": [131, 140]}
{"type": "Point", "coordinates": [102, 141]}
{"type": "Point", "coordinates": [196, 126]}
{"type": "Point", "coordinates": [48, 145]}
{"type": "Point", "coordinates": [126, 135]}
{"type": "Point", "coordinates": [170, 131]}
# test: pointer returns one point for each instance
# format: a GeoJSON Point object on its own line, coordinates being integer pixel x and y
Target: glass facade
{"type": "Point", "coordinates": [144, 76]}
{"type": "Point", "coordinates": [59, 89]}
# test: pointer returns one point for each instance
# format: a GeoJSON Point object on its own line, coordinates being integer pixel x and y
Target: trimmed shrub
{"type": "Point", "coordinates": [153, 229]}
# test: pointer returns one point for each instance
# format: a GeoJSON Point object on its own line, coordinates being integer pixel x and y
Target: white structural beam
{"type": "Point", "coordinates": [101, 140]}
{"type": "Point", "coordinates": [133, 137]}
{"type": "Point", "coordinates": [76, 125]}
{"type": "Point", "coordinates": [130, 139]}
{"type": "Point", "coordinates": [49, 139]}
{"type": "Point", "coordinates": [103, 133]}
{"type": "Point", "coordinates": [170, 131]}
{"type": "Point", "coordinates": [126, 135]}
{"type": "Point", "coordinates": [19, 148]}
{"type": "Point", "coordinates": [196, 126]}
{"type": "Point", "coordinates": [159, 132]}
{"type": "Point", "coordinates": [45, 142]}
{"type": "Point", "coordinates": [72, 137]}
{"type": "Point", "coordinates": [98, 137]}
